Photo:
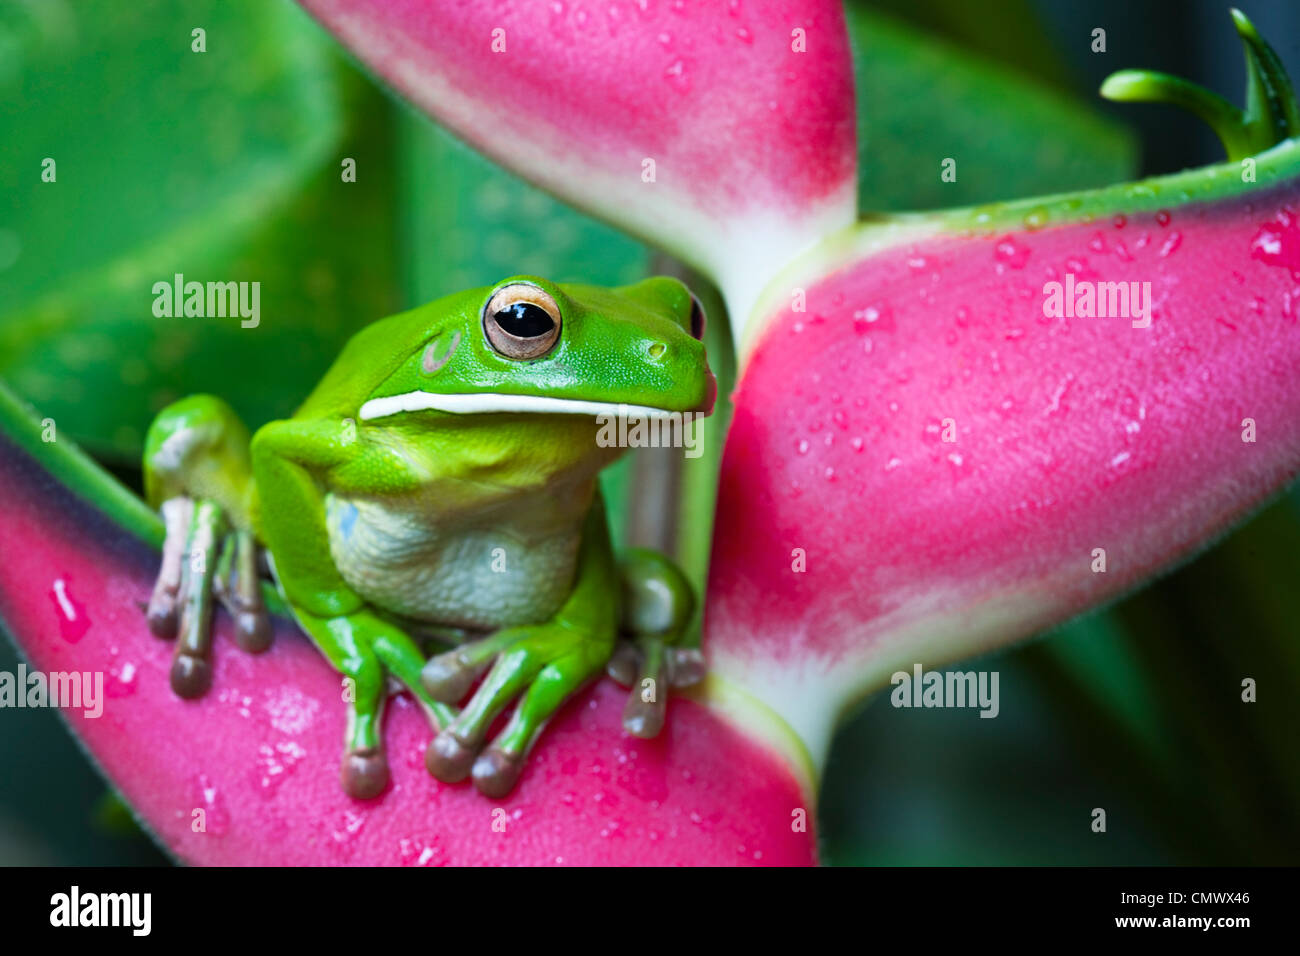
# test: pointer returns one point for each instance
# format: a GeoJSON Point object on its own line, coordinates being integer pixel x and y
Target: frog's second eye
{"type": "Point", "coordinates": [697, 319]}
{"type": "Point", "coordinates": [521, 321]}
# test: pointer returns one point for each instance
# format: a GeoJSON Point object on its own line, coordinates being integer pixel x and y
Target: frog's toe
{"type": "Point", "coordinates": [624, 663]}
{"type": "Point", "coordinates": [449, 758]}
{"type": "Point", "coordinates": [657, 668]}
{"type": "Point", "coordinates": [163, 615]}
{"type": "Point", "coordinates": [686, 666]}
{"type": "Point", "coordinates": [253, 632]}
{"type": "Point", "coordinates": [238, 584]}
{"type": "Point", "coordinates": [643, 716]}
{"type": "Point", "coordinates": [364, 773]}
{"type": "Point", "coordinates": [191, 675]}
{"type": "Point", "coordinates": [448, 677]}
{"type": "Point", "coordinates": [496, 772]}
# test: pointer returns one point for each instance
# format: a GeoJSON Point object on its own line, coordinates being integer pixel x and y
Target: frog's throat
{"type": "Point", "coordinates": [470, 403]}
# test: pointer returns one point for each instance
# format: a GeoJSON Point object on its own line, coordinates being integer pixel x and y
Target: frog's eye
{"type": "Point", "coordinates": [521, 321]}
{"type": "Point", "coordinates": [697, 319]}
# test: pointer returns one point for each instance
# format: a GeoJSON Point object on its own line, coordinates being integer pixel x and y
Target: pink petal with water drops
{"type": "Point", "coordinates": [249, 773]}
{"type": "Point", "coordinates": [722, 131]}
{"type": "Point", "coordinates": [951, 477]}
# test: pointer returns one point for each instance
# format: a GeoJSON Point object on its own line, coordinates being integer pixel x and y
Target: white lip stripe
{"type": "Point", "coordinates": [474, 403]}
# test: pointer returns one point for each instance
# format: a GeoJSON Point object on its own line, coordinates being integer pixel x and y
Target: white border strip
{"type": "Point", "coordinates": [472, 403]}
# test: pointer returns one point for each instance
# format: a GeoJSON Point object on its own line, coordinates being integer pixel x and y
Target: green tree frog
{"type": "Point", "coordinates": [441, 481]}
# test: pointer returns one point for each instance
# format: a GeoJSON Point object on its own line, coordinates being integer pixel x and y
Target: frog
{"type": "Point", "coordinates": [431, 518]}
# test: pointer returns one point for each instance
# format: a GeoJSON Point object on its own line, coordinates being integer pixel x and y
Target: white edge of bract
{"type": "Point", "coordinates": [474, 403]}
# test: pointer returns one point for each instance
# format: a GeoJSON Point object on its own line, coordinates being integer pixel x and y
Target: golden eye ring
{"type": "Point", "coordinates": [521, 321]}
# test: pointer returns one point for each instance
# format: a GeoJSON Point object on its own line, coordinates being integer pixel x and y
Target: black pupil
{"type": "Point", "coordinates": [524, 320]}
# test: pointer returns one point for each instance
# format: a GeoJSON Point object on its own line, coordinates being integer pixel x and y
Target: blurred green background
{"type": "Point", "coordinates": [227, 165]}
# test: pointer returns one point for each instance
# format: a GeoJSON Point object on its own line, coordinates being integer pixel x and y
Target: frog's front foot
{"type": "Point", "coordinates": [196, 472]}
{"type": "Point", "coordinates": [203, 557]}
{"type": "Point", "coordinates": [546, 664]}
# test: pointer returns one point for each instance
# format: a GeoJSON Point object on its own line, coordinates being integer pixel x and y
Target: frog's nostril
{"type": "Point", "coordinates": [657, 349]}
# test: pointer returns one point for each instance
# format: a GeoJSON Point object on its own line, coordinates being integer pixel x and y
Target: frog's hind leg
{"type": "Point", "coordinates": [648, 600]}
{"type": "Point", "coordinates": [547, 664]}
{"type": "Point", "coordinates": [197, 473]}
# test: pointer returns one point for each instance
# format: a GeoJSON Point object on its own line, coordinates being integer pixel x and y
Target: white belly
{"type": "Point", "coordinates": [484, 578]}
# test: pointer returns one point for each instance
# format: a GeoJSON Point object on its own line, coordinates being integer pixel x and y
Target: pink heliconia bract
{"type": "Point", "coordinates": [924, 464]}
{"type": "Point", "coordinates": [249, 774]}
{"type": "Point", "coordinates": [723, 132]}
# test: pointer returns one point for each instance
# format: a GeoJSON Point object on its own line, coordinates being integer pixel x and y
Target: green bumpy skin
{"type": "Point", "coordinates": [441, 480]}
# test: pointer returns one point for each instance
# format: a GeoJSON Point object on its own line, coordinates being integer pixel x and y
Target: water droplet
{"type": "Point", "coordinates": [1277, 243]}
{"type": "Point", "coordinates": [872, 318]}
{"type": "Point", "coordinates": [275, 763]}
{"type": "Point", "coordinates": [1010, 253]}
{"type": "Point", "coordinates": [1036, 218]}
{"type": "Point", "coordinates": [205, 796]}
{"type": "Point", "coordinates": [677, 76]}
{"type": "Point", "coordinates": [1171, 244]}
{"type": "Point", "coordinates": [71, 614]}
{"type": "Point", "coordinates": [121, 680]}
{"type": "Point", "coordinates": [291, 711]}
{"type": "Point", "coordinates": [1120, 221]}
{"type": "Point", "coordinates": [1162, 217]}
{"type": "Point", "coordinates": [416, 853]}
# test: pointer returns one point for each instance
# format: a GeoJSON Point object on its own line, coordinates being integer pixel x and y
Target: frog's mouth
{"type": "Point", "coordinates": [476, 403]}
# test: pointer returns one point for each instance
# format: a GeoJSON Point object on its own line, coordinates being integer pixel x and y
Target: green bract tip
{"type": "Point", "coordinates": [1271, 114]}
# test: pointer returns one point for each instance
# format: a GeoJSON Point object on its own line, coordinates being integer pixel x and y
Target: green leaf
{"type": "Point", "coordinates": [1012, 35]}
{"type": "Point", "coordinates": [221, 165]}
{"type": "Point", "coordinates": [922, 100]}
